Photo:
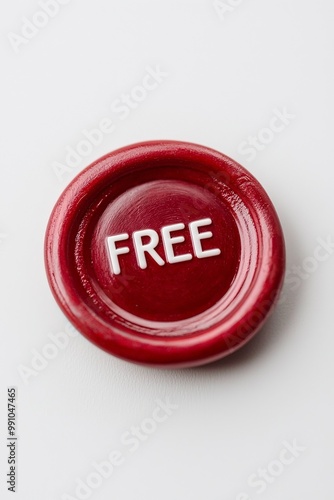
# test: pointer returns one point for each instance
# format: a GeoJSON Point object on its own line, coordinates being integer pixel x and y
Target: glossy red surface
{"type": "Point", "coordinates": [170, 313]}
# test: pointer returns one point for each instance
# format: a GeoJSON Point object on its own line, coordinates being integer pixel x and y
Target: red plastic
{"type": "Point", "coordinates": [169, 314]}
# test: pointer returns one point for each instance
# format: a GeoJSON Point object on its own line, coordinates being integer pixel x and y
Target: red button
{"type": "Point", "coordinates": [165, 253]}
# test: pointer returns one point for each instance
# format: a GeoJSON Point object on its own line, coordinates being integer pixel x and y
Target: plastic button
{"type": "Point", "coordinates": [165, 253]}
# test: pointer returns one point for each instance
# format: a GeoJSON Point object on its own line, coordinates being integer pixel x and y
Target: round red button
{"type": "Point", "coordinates": [165, 253]}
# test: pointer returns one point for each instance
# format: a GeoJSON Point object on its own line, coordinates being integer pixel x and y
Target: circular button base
{"type": "Point", "coordinates": [165, 253]}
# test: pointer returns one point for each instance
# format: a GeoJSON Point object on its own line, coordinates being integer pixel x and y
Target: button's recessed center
{"type": "Point", "coordinates": [165, 250]}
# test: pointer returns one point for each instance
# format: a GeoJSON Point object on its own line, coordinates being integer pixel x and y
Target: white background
{"type": "Point", "coordinates": [226, 76]}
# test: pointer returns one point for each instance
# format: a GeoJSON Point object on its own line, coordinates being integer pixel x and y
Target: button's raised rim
{"type": "Point", "coordinates": [203, 346]}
